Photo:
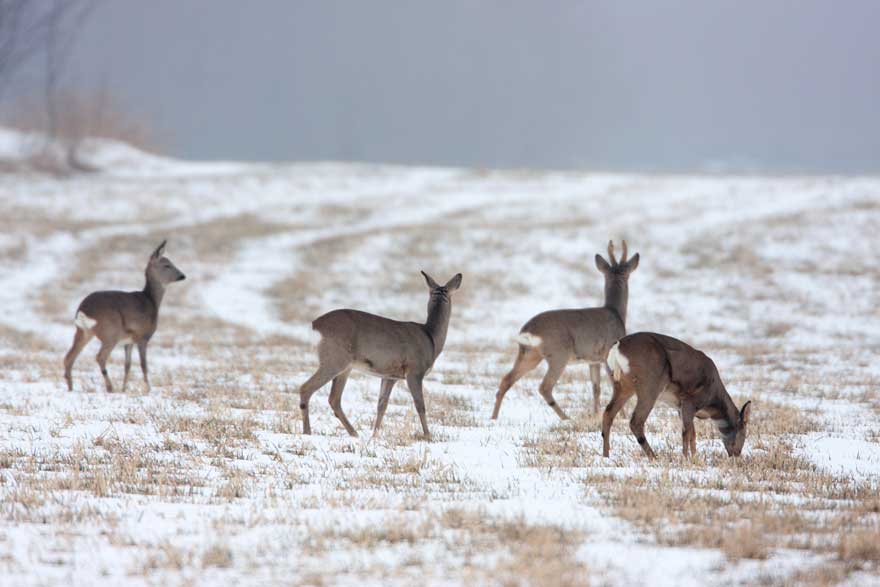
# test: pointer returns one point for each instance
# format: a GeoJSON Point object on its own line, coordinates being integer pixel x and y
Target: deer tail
{"type": "Point", "coordinates": [83, 321]}
{"type": "Point", "coordinates": [617, 362]}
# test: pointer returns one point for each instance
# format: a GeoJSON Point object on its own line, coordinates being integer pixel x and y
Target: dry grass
{"type": "Point", "coordinates": [767, 500]}
{"type": "Point", "coordinates": [860, 545]}
{"type": "Point", "coordinates": [524, 554]}
{"type": "Point", "coordinates": [214, 457]}
{"type": "Point", "coordinates": [217, 556]}
{"type": "Point", "coordinates": [86, 113]}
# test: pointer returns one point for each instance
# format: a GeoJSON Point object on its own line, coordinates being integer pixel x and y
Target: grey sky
{"type": "Point", "coordinates": [765, 85]}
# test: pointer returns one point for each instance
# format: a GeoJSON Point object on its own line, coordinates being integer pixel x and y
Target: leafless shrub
{"type": "Point", "coordinates": [82, 115]}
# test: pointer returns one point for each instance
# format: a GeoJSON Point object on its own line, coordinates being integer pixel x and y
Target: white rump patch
{"type": "Point", "coordinates": [528, 339]}
{"type": "Point", "coordinates": [618, 363]}
{"type": "Point", "coordinates": [83, 322]}
{"type": "Point", "coordinates": [312, 338]}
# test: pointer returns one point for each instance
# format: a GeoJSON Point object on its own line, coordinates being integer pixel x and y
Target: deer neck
{"type": "Point", "coordinates": [438, 323]}
{"type": "Point", "coordinates": [726, 416]}
{"type": "Point", "coordinates": [616, 294]}
{"type": "Point", "coordinates": [154, 290]}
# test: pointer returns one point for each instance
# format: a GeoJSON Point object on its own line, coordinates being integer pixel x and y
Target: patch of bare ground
{"type": "Point", "coordinates": [101, 469]}
{"type": "Point", "coordinates": [750, 507]}
{"type": "Point", "coordinates": [216, 241]}
{"type": "Point", "coordinates": [455, 410]}
{"type": "Point", "coordinates": [36, 222]}
{"type": "Point", "coordinates": [20, 344]}
{"type": "Point", "coordinates": [292, 295]}
{"type": "Point", "coordinates": [297, 296]}
{"type": "Point", "coordinates": [483, 549]}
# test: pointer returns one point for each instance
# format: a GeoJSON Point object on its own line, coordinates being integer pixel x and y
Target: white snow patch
{"type": "Point", "coordinates": [853, 457]}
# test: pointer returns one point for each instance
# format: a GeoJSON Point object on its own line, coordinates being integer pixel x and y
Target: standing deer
{"type": "Point", "coordinates": [560, 336]}
{"type": "Point", "coordinates": [653, 366]}
{"type": "Point", "coordinates": [382, 347]}
{"type": "Point", "coordinates": [123, 317]}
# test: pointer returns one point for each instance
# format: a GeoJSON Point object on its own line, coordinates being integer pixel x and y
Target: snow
{"type": "Point", "coordinates": [850, 457]}
{"type": "Point", "coordinates": [721, 259]}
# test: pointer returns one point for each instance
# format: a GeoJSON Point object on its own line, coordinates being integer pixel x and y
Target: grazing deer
{"type": "Point", "coordinates": [653, 366]}
{"type": "Point", "coordinates": [123, 317]}
{"type": "Point", "coordinates": [560, 336]}
{"type": "Point", "coordinates": [382, 347]}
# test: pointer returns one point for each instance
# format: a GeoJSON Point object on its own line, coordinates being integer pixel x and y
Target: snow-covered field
{"type": "Point", "coordinates": [208, 481]}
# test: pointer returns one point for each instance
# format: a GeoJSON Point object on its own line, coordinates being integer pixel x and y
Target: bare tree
{"type": "Point", "coordinates": [64, 20]}
{"type": "Point", "coordinates": [44, 28]}
{"type": "Point", "coordinates": [21, 36]}
{"type": "Point", "coordinates": [31, 27]}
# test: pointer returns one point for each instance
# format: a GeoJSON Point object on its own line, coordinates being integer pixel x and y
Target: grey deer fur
{"type": "Point", "coordinates": [386, 348]}
{"type": "Point", "coordinates": [586, 334]}
{"type": "Point", "coordinates": [653, 366]}
{"type": "Point", "coordinates": [123, 317]}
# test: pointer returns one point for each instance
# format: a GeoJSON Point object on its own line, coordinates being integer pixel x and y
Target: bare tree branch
{"type": "Point", "coordinates": [29, 27]}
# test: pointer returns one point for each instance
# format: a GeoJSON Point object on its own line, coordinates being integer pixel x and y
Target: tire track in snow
{"type": "Point", "coordinates": [238, 295]}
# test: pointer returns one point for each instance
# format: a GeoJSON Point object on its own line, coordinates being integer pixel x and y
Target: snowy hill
{"type": "Point", "coordinates": [207, 480]}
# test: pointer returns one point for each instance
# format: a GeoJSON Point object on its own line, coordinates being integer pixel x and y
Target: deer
{"type": "Point", "coordinates": [379, 346]}
{"type": "Point", "coordinates": [583, 334]}
{"type": "Point", "coordinates": [122, 317]}
{"type": "Point", "coordinates": [657, 367]}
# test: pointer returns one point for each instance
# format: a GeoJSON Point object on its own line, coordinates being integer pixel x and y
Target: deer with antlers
{"type": "Point", "coordinates": [584, 334]}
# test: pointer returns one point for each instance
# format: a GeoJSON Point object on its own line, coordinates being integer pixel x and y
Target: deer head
{"type": "Point", "coordinates": [442, 293]}
{"type": "Point", "coordinates": [617, 278]}
{"type": "Point", "coordinates": [734, 440]}
{"type": "Point", "coordinates": [617, 270]}
{"type": "Point", "coordinates": [160, 269]}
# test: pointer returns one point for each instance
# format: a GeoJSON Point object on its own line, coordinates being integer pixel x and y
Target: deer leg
{"type": "Point", "coordinates": [103, 354]}
{"type": "Point", "coordinates": [80, 339]}
{"type": "Point", "coordinates": [142, 355]}
{"type": "Point", "coordinates": [688, 433]}
{"type": "Point", "coordinates": [618, 400]}
{"type": "Point", "coordinates": [596, 378]}
{"type": "Point", "coordinates": [637, 423]}
{"type": "Point", "coordinates": [128, 348]}
{"type": "Point", "coordinates": [414, 382]}
{"type": "Point", "coordinates": [384, 395]}
{"type": "Point", "coordinates": [336, 401]}
{"type": "Point", "coordinates": [555, 367]}
{"type": "Point", "coordinates": [526, 360]}
{"type": "Point", "coordinates": [313, 384]}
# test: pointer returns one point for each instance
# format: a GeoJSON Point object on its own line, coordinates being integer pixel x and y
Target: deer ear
{"type": "Point", "coordinates": [602, 265]}
{"type": "Point", "coordinates": [744, 413]}
{"type": "Point", "coordinates": [632, 263]}
{"type": "Point", "coordinates": [159, 250]}
{"type": "Point", "coordinates": [454, 283]}
{"type": "Point", "coordinates": [430, 281]}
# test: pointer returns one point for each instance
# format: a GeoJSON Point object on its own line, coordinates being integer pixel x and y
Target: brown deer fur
{"type": "Point", "coordinates": [653, 366]}
{"type": "Point", "coordinates": [116, 317]}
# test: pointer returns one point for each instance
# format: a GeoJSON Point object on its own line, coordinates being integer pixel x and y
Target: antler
{"type": "Point", "coordinates": [623, 257]}
{"type": "Point", "coordinates": [611, 253]}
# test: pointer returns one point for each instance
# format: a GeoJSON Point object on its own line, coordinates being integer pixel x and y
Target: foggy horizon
{"type": "Point", "coordinates": [687, 86]}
